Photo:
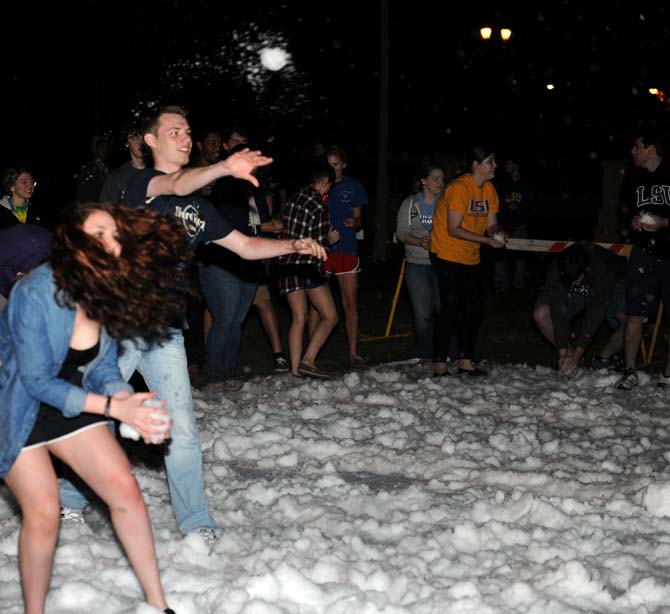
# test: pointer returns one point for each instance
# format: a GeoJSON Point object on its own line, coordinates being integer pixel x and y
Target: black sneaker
{"type": "Point", "coordinates": [613, 363]}
{"type": "Point", "coordinates": [602, 364]}
{"type": "Point", "coordinates": [281, 364]}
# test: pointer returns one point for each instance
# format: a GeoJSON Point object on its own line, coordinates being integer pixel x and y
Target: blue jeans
{"type": "Point", "coordinates": [424, 294]}
{"type": "Point", "coordinates": [164, 369]}
{"type": "Point", "coordinates": [229, 299]}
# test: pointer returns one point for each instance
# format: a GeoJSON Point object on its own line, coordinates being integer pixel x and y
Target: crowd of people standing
{"type": "Point", "coordinates": [118, 287]}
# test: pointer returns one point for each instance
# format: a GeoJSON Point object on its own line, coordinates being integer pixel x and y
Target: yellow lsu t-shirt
{"type": "Point", "coordinates": [475, 204]}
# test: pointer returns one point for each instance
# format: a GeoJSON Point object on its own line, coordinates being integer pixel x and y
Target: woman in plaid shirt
{"type": "Point", "coordinates": [302, 278]}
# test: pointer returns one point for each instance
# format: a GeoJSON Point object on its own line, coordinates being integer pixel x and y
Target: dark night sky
{"type": "Point", "coordinates": [76, 69]}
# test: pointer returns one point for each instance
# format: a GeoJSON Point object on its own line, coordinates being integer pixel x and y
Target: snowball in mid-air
{"type": "Point", "coordinates": [274, 58]}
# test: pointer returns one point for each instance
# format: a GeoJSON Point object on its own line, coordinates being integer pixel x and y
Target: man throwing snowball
{"type": "Point", "coordinates": [170, 189]}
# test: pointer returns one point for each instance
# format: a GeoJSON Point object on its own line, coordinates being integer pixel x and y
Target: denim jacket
{"type": "Point", "coordinates": [35, 337]}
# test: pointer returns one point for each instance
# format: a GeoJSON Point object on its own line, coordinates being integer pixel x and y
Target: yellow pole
{"type": "Point", "coordinates": [395, 299]}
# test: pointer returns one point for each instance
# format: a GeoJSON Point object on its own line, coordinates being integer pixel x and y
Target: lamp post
{"type": "Point", "coordinates": [494, 66]}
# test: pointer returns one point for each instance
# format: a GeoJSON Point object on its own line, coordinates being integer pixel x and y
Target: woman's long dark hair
{"type": "Point", "coordinates": [475, 153]}
{"type": "Point", "coordinates": [138, 294]}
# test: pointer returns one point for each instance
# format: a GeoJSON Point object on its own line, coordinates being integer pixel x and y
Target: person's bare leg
{"type": "Point", "coordinates": [322, 301]}
{"type": "Point", "coordinates": [313, 317]}
{"type": "Point", "coordinates": [615, 342]}
{"type": "Point", "coordinates": [268, 316]}
{"type": "Point", "coordinates": [349, 291]}
{"type": "Point", "coordinates": [632, 337]}
{"type": "Point", "coordinates": [297, 301]}
{"type": "Point", "coordinates": [313, 320]}
{"type": "Point", "coordinates": [98, 459]}
{"type": "Point", "coordinates": [542, 318]}
{"type": "Point", "coordinates": [33, 481]}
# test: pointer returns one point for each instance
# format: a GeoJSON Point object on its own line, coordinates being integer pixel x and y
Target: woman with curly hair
{"type": "Point", "coordinates": [108, 279]}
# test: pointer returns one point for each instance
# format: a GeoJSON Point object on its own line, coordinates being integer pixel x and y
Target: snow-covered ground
{"type": "Point", "coordinates": [388, 491]}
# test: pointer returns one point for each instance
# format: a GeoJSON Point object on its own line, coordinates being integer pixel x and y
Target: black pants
{"type": "Point", "coordinates": [462, 305]}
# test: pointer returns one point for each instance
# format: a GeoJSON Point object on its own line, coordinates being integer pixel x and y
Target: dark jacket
{"type": "Point", "coordinates": [7, 218]}
{"type": "Point", "coordinates": [22, 248]}
{"type": "Point", "coordinates": [605, 270]}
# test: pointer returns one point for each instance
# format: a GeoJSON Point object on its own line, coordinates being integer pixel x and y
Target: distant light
{"type": "Point", "coordinates": [486, 32]}
{"type": "Point", "coordinates": [550, 86]}
{"type": "Point", "coordinates": [505, 34]}
{"type": "Point", "coordinates": [653, 91]}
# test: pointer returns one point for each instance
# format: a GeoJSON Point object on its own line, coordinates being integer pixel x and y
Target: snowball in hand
{"type": "Point", "coordinates": [274, 58]}
{"type": "Point", "coordinates": [130, 432]}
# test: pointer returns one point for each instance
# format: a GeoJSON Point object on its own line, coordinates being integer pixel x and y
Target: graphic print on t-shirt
{"type": "Point", "coordinates": [479, 207]}
{"type": "Point", "coordinates": [190, 217]}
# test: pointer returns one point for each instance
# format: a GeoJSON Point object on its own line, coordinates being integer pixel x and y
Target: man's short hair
{"type": "Point", "coordinates": [322, 171]}
{"type": "Point", "coordinates": [334, 150]}
{"type": "Point", "coordinates": [573, 262]}
{"type": "Point", "coordinates": [652, 137]}
{"type": "Point", "coordinates": [151, 124]}
{"type": "Point", "coordinates": [133, 130]}
{"type": "Point", "coordinates": [235, 129]}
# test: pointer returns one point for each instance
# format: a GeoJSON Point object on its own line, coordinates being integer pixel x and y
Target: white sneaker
{"type": "Point", "coordinates": [67, 514]}
{"type": "Point", "coordinates": [208, 535]}
{"type": "Point", "coordinates": [663, 381]}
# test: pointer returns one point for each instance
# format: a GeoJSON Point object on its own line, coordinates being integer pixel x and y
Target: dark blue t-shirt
{"type": "Point", "coordinates": [345, 196]}
{"type": "Point", "coordinates": [200, 219]}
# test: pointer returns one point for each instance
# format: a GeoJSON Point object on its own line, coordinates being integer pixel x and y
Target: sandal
{"type": "Point", "coordinates": [357, 361]}
{"type": "Point", "coordinates": [315, 372]}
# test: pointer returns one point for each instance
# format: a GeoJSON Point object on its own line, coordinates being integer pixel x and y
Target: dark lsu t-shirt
{"type": "Point", "coordinates": [201, 220]}
{"type": "Point", "coordinates": [648, 192]}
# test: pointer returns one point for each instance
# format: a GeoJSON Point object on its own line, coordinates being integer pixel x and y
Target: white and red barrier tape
{"type": "Point", "coordinates": [553, 247]}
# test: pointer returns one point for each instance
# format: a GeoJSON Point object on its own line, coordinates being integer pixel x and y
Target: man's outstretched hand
{"type": "Point", "coordinates": [242, 164]}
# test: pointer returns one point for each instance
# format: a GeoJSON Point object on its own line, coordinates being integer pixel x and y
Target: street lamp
{"type": "Point", "coordinates": [486, 32]}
